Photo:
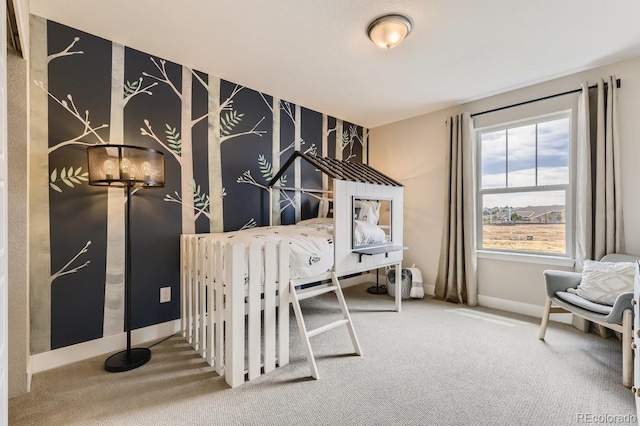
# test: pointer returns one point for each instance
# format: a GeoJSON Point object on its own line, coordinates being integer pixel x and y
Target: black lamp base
{"type": "Point", "coordinates": [119, 362]}
{"type": "Point", "coordinates": [376, 289]}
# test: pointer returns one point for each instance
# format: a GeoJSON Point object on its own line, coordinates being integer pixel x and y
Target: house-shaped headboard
{"type": "Point", "coordinates": [355, 180]}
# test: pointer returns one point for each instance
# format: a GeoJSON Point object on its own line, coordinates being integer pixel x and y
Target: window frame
{"type": "Point", "coordinates": [568, 188]}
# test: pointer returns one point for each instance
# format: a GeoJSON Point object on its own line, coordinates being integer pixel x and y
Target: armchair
{"type": "Point", "coordinates": [619, 317]}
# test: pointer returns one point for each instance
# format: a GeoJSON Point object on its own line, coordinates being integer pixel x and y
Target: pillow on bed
{"type": "Point", "coordinates": [603, 282]}
{"type": "Point", "coordinates": [325, 208]}
{"type": "Point", "coordinates": [365, 233]}
{"type": "Point", "coordinates": [369, 211]}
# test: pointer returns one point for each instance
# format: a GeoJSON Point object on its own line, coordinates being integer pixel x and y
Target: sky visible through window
{"type": "Point", "coordinates": [509, 156]}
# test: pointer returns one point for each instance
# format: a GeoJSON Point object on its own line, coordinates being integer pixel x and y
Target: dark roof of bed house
{"type": "Point", "coordinates": [338, 169]}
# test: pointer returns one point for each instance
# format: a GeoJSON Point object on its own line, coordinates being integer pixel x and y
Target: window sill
{"type": "Point", "coordinates": [527, 258]}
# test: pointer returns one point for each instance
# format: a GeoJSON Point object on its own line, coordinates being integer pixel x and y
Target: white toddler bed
{"type": "Point", "coordinates": [237, 286]}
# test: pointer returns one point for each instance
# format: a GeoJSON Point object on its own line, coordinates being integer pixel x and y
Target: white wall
{"type": "Point", "coordinates": [413, 151]}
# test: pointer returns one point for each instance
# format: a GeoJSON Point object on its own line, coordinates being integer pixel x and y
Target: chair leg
{"type": "Point", "coordinates": [603, 331]}
{"type": "Point", "coordinates": [545, 318]}
{"type": "Point", "coordinates": [627, 351]}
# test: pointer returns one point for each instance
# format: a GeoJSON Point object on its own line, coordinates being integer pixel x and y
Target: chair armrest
{"type": "Point", "coordinates": [623, 301]}
{"type": "Point", "coordinates": [560, 281]}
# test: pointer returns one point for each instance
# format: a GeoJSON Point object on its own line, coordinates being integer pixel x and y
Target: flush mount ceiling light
{"type": "Point", "coordinates": [388, 31]}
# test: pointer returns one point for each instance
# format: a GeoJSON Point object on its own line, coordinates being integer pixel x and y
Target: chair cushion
{"type": "Point", "coordinates": [574, 299]}
{"type": "Point", "coordinates": [603, 282]}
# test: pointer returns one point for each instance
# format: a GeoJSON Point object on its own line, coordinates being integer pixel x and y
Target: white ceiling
{"type": "Point", "coordinates": [316, 52]}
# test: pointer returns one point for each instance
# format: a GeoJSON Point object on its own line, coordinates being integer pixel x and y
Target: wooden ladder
{"type": "Point", "coordinates": [306, 334]}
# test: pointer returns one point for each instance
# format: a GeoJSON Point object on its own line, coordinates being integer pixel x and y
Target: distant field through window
{"type": "Point", "coordinates": [524, 186]}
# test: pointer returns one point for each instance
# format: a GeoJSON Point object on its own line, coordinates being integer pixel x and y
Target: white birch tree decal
{"type": "Point", "coordinates": [179, 146]}
{"type": "Point", "coordinates": [339, 140]}
{"type": "Point", "coordinates": [121, 93]}
{"type": "Point", "coordinates": [39, 225]}
{"type": "Point", "coordinates": [222, 126]}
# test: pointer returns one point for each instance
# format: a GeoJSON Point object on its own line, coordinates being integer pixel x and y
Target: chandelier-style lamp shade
{"type": "Point", "coordinates": [388, 31]}
{"type": "Point", "coordinates": [124, 165]}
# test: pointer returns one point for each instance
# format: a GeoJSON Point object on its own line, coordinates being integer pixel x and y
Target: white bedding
{"type": "Point", "coordinates": [310, 242]}
{"type": "Point", "coordinates": [310, 248]}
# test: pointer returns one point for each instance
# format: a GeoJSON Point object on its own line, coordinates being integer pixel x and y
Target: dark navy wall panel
{"type": "Point", "coordinates": [331, 142]}
{"type": "Point", "coordinates": [287, 141]}
{"type": "Point", "coordinates": [311, 133]}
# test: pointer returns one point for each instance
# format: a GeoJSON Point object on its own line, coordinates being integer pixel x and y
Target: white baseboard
{"type": "Point", "coordinates": [69, 354]}
{"type": "Point", "coordinates": [520, 308]}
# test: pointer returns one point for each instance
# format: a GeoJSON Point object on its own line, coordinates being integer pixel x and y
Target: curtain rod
{"type": "Point", "coordinates": [540, 99]}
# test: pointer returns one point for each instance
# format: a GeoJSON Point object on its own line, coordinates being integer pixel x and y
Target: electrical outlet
{"type": "Point", "coordinates": [165, 294]}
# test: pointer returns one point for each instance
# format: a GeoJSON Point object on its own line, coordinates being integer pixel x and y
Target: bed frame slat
{"type": "Point", "coordinates": [219, 307]}
{"type": "Point", "coordinates": [270, 264]}
{"type": "Point", "coordinates": [254, 341]}
{"type": "Point", "coordinates": [283, 304]}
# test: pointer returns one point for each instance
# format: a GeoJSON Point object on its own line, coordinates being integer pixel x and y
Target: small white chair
{"type": "Point", "coordinates": [618, 317]}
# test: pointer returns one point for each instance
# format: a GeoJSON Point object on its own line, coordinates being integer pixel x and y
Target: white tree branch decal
{"type": "Point", "coordinates": [64, 271]}
{"type": "Point", "coordinates": [66, 52]}
{"type": "Point", "coordinates": [349, 137]}
{"type": "Point", "coordinates": [227, 105]}
{"type": "Point", "coordinates": [134, 88]}
{"type": "Point", "coordinates": [253, 131]}
{"type": "Point", "coordinates": [150, 133]}
{"type": "Point", "coordinates": [162, 67]}
{"type": "Point", "coordinates": [250, 224]}
{"type": "Point", "coordinates": [70, 106]}
{"type": "Point", "coordinates": [201, 200]}
{"type": "Point", "coordinates": [286, 107]}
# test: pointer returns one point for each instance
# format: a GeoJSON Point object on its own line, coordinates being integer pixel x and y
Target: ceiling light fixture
{"type": "Point", "coordinates": [388, 31]}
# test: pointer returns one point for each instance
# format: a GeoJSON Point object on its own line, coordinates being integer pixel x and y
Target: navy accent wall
{"type": "Point", "coordinates": [165, 106]}
{"type": "Point", "coordinates": [311, 134]}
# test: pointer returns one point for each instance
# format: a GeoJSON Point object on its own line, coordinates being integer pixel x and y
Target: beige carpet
{"type": "Point", "coordinates": [435, 363]}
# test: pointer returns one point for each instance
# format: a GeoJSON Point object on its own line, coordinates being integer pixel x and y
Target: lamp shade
{"type": "Point", "coordinates": [389, 30]}
{"type": "Point", "coordinates": [124, 165]}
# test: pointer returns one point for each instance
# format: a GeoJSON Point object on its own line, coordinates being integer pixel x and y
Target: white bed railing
{"type": "Point", "coordinates": [240, 326]}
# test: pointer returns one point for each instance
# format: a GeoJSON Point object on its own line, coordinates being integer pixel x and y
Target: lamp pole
{"type": "Point", "coordinates": [120, 165]}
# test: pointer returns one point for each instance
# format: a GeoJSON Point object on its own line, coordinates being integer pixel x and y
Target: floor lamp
{"type": "Point", "coordinates": [126, 167]}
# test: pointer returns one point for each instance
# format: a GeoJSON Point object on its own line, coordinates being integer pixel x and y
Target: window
{"type": "Point", "coordinates": [524, 186]}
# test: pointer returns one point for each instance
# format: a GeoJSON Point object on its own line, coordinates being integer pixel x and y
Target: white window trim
{"type": "Point", "coordinates": [565, 259]}
{"type": "Point", "coordinates": [513, 256]}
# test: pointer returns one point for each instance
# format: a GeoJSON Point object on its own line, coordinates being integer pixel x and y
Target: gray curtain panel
{"type": "Point", "coordinates": [457, 280]}
{"type": "Point", "coordinates": [599, 225]}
